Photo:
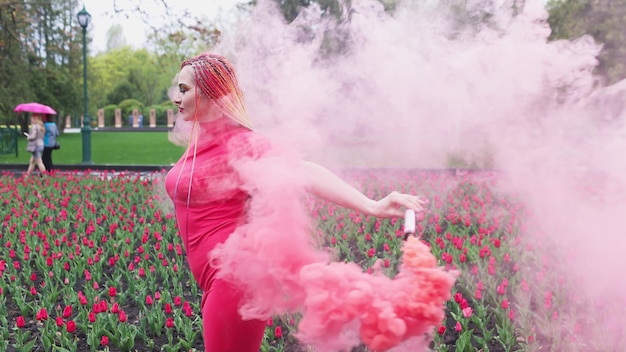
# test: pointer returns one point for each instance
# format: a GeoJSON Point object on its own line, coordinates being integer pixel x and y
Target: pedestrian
{"type": "Point", "coordinates": [211, 200]}
{"type": "Point", "coordinates": [49, 142]}
{"type": "Point", "coordinates": [35, 136]}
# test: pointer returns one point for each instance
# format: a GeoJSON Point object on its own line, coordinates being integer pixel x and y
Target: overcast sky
{"type": "Point", "coordinates": [103, 16]}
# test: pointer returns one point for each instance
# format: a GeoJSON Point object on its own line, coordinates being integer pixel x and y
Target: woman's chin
{"type": "Point", "coordinates": [199, 118]}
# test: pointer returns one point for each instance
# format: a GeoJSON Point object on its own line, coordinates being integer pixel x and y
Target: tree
{"type": "Point", "coordinates": [149, 72]}
{"type": "Point", "coordinates": [122, 91]}
{"type": "Point", "coordinates": [39, 58]}
{"type": "Point", "coordinates": [603, 20]}
{"type": "Point", "coordinates": [115, 38]}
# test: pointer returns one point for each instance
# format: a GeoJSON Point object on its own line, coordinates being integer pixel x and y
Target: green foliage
{"type": "Point", "coordinates": [109, 114]}
{"type": "Point", "coordinates": [122, 91]}
{"type": "Point", "coordinates": [38, 58]}
{"type": "Point", "coordinates": [161, 112]}
{"type": "Point", "coordinates": [603, 20]}
{"type": "Point", "coordinates": [128, 105]}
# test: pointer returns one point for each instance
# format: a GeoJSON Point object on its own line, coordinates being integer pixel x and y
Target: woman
{"type": "Point", "coordinates": [212, 194]}
{"type": "Point", "coordinates": [49, 142]}
{"type": "Point", "coordinates": [35, 138]}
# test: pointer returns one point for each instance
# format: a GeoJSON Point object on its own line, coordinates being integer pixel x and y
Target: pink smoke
{"type": "Point", "coordinates": [386, 312]}
{"type": "Point", "coordinates": [274, 259]}
{"type": "Point", "coordinates": [414, 88]}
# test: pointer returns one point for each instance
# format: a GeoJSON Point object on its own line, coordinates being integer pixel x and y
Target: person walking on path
{"type": "Point", "coordinates": [35, 138]}
{"type": "Point", "coordinates": [49, 142]}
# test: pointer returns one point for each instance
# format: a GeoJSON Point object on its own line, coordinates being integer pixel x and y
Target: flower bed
{"type": "Point", "coordinates": [93, 262]}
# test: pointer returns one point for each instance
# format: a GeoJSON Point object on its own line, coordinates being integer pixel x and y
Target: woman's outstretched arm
{"type": "Point", "coordinates": [325, 184]}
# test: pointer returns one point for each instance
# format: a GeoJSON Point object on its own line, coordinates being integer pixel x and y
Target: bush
{"type": "Point", "coordinates": [109, 115]}
{"type": "Point", "coordinates": [161, 112]}
{"type": "Point", "coordinates": [127, 106]}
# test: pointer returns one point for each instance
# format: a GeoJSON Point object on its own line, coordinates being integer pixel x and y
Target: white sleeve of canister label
{"type": "Point", "coordinates": [409, 221]}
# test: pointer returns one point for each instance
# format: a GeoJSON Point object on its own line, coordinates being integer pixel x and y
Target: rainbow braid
{"type": "Point", "coordinates": [215, 76]}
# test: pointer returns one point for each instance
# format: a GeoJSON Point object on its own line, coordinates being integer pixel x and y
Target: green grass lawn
{"type": "Point", "coordinates": [113, 148]}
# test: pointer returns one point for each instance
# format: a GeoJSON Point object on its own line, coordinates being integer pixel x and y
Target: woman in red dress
{"type": "Point", "coordinates": [212, 200]}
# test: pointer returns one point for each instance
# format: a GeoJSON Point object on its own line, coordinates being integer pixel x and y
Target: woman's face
{"type": "Point", "coordinates": [185, 99]}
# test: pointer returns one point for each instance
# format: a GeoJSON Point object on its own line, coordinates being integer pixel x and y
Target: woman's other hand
{"type": "Point", "coordinates": [394, 205]}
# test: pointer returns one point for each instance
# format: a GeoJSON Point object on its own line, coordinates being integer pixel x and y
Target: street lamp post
{"type": "Point", "coordinates": [83, 19]}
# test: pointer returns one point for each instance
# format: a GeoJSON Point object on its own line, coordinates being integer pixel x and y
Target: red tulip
{"type": "Point", "coordinates": [548, 299]}
{"type": "Point", "coordinates": [505, 304]}
{"type": "Point", "coordinates": [81, 298]}
{"type": "Point", "coordinates": [42, 314]}
{"type": "Point", "coordinates": [19, 322]}
{"type": "Point", "coordinates": [122, 317]}
{"type": "Point", "coordinates": [70, 326]}
{"type": "Point", "coordinates": [500, 289]}
{"type": "Point", "coordinates": [104, 341]}
{"type": "Point", "coordinates": [67, 312]}
{"type": "Point", "coordinates": [441, 330]}
{"type": "Point", "coordinates": [467, 312]}
{"type": "Point", "coordinates": [169, 323]}
{"type": "Point", "coordinates": [278, 332]}
{"type": "Point", "coordinates": [103, 306]}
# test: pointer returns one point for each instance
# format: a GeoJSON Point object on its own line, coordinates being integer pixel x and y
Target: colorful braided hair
{"type": "Point", "coordinates": [215, 76]}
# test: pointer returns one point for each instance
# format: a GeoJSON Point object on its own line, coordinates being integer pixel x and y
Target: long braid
{"type": "Point", "coordinates": [215, 76]}
{"type": "Point", "coordinates": [216, 79]}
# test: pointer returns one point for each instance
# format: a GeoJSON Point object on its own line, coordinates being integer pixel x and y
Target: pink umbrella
{"type": "Point", "coordinates": [36, 108]}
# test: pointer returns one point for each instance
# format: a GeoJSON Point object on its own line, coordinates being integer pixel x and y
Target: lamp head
{"type": "Point", "coordinates": [83, 18]}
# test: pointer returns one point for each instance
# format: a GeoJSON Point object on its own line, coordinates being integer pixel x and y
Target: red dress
{"type": "Point", "coordinates": [209, 205]}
